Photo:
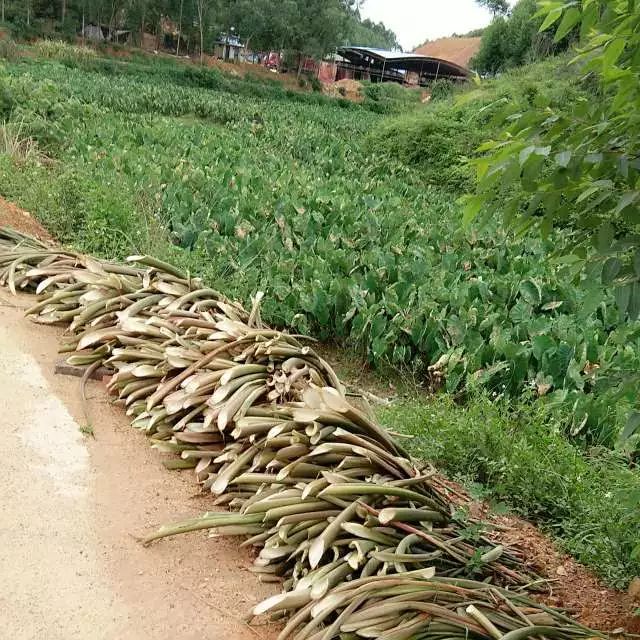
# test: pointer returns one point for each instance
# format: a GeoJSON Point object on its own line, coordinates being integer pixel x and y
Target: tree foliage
{"type": "Point", "coordinates": [515, 40]}
{"type": "Point", "coordinates": [577, 166]}
{"type": "Point", "coordinates": [370, 34]}
{"type": "Point", "coordinates": [497, 7]}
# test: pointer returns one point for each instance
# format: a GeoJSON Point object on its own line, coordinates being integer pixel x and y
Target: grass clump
{"type": "Point", "coordinates": [439, 143]}
{"type": "Point", "coordinates": [8, 48]}
{"type": "Point", "coordinates": [389, 97]}
{"type": "Point", "coordinates": [589, 501]}
{"type": "Point", "coordinates": [60, 50]}
{"type": "Point", "coordinates": [17, 145]}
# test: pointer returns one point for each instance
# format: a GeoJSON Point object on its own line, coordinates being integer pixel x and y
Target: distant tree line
{"type": "Point", "coordinates": [513, 37]}
{"type": "Point", "coordinates": [307, 27]}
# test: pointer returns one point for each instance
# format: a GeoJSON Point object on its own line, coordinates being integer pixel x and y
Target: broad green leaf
{"type": "Point", "coordinates": [542, 345]}
{"type": "Point", "coordinates": [605, 237]}
{"type": "Point", "coordinates": [626, 200]}
{"type": "Point", "coordinates": [530, 291]}
{"type": "Point", "coordinates": [544, 6]}
{"type": "Point", "coordinates": [525, 154]}
{"type": "Point", "coordinates": [563, 158]}
{"type": "Point", "coordinates": [632, 425]}
{"type": "Point", "coordinates": [472, 206]}
{"type": "Point", "coordinates": [569, 20]}
{"type": "Point", "coordinates": [587, 193]}
{"type": "Point", "coordinates": [623, 296]}
{"type": "Point", "coordinates": [595, 158]}
{"type": "Point", "coordinates": [613, 51]}
{"type": "Point", "coordinates": [488, 146]}
{"type": "Point", "coordinates": [570, 258]}
{"type": "Point", "coordinates": [552, 17]}
{"type": "Point", "coordinates": [520, 312]}
{"type": "Point", "coordinates": [634, 301]}
{"type": "Point", "coordinates": [559, 362]}
{"type": "Point", "coordinates": [636, 262]}
{"type": "Point", "coordinates": [542, 151]}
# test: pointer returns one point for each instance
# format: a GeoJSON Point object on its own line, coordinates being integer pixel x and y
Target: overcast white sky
{"type": "Point", "coordinates": [415, 21]}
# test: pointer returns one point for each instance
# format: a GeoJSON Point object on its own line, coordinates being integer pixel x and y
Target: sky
{"type": "Point", "coordinates": [415, 21]}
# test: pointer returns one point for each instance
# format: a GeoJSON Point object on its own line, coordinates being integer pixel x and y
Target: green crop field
{"type": "Point", "coordinates": [346, 215]}
{"type": "Point", "coordinates": [295, 195]}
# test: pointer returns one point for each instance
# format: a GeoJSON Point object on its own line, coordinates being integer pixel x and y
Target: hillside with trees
{"type": "Point", "coordinates": [514, 38]}
{"type": "Point", "coordinates": [312, 27]}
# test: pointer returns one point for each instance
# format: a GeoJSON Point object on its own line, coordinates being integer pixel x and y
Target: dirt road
{"type": "Point", "coordinates": [69, 564]}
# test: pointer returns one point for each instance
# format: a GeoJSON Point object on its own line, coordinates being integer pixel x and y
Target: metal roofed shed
{"type": "Point", "coordinates": [378, 65]}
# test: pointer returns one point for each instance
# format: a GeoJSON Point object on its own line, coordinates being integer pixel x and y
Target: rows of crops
{"type": "Point", "coordinates": [290, 197]}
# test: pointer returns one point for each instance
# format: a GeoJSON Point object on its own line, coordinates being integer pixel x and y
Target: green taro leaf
{"type": "Point", "coordinates": [520, 312]}
{"type": "Point", "coordinates": [634, 301]}
{"type": "Point", "coordinates": [623, 296]}
{"type": "Point", "coordinates": [531, 292]}
{"type": "Point", "coordinates": [632, 425]}
{"type": "Point", "coordinates": [542, 345]}
{"type": "Point", "coordinates": [610, 270]}
{"type": "Point", "coordinates": [606, 235]}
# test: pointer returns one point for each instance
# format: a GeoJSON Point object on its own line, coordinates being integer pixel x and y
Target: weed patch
{"type": "Point", "coordinates": [589, 503]}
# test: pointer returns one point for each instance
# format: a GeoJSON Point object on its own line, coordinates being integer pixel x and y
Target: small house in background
{"type": "Point", "coordinates": [228, 47]}
{"type": "Point", "coordinates": [103, 33]}
{"type": "Point", "coordinates": [93, 32]}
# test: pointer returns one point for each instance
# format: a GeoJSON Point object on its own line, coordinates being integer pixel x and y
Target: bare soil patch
{"type": "Point", "coordinates": [456, 50]}
{"type": "Point", "coordinates": [72, 504]}
{"type": "Point", "coordinates": [23, 221]}
{"type": "Point", "coordinates": [570, 585]}
{"type": "Point", "coordinates": [349, 89]}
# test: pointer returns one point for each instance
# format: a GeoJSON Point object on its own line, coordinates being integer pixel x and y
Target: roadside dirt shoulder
{"type": "Point", "coordinates": [72, 504]}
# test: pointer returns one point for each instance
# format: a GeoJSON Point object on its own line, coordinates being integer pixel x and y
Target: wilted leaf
{"type": "Point", "coordinates": [610, 270]}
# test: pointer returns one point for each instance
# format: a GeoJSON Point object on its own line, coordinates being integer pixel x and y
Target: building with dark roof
{"type": "Point", "coordinates": [379, 65]}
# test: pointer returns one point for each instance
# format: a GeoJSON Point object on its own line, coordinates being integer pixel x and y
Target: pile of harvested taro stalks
{"type": "Point", "coordinates": [361, 538]}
